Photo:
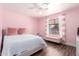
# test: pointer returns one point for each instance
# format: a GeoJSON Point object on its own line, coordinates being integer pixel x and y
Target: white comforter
{"type": "Point", "coordinates": [22, 45]}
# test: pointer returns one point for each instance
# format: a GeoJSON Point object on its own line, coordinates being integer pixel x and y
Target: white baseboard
{"type": "Point", "coordinates": [70, 44]}
{"type": "Point", "coordinates": [58, 41]}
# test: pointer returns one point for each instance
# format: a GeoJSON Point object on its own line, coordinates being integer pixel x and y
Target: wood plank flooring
{"type": "Point", "coordinates": [55, 49]}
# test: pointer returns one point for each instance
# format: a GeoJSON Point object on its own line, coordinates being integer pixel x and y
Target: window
{"type": "Point", "coordinates": [56, 26]}
{"type": "Point", "coordinates": [53, 26]}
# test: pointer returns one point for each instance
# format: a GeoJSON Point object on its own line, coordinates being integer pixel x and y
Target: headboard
{"type": "Point", "coordinates": [14, 31]}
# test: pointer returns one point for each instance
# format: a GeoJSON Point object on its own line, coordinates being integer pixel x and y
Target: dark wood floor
{"type": "Point", "coordinates": [54, 49]}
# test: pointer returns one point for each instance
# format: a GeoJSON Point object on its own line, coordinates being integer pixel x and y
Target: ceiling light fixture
{"type": "Point", "coordinates": [40, 6]}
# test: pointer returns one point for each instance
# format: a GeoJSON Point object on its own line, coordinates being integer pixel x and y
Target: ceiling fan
{"type": "Point", "coordinates": [39, 6]}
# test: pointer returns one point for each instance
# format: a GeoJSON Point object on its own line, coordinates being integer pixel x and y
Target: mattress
{"type": "Point", "coordinates": [22, 45]}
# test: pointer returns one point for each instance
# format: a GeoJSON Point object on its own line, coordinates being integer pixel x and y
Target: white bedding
{"type": "Point", "coordinates": [22, 45]}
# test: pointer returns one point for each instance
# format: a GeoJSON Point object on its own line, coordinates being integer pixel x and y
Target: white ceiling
{"type": "Point", "coordinates": [24, 8]}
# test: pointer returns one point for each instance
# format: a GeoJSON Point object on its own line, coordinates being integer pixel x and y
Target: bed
{"type": "Point", "coordinates": [22, 45]}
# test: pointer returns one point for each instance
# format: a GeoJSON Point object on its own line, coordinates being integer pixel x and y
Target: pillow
{"type": "Point", "coordinates": [21, 31]}
{"type": "Point", "coordinates": [11, 31]}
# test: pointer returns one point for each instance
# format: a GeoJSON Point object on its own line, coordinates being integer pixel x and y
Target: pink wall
{"type": "Point", "coordinates": [72, 22]}
{"type": "Point", "coordinates": [17, 20]}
